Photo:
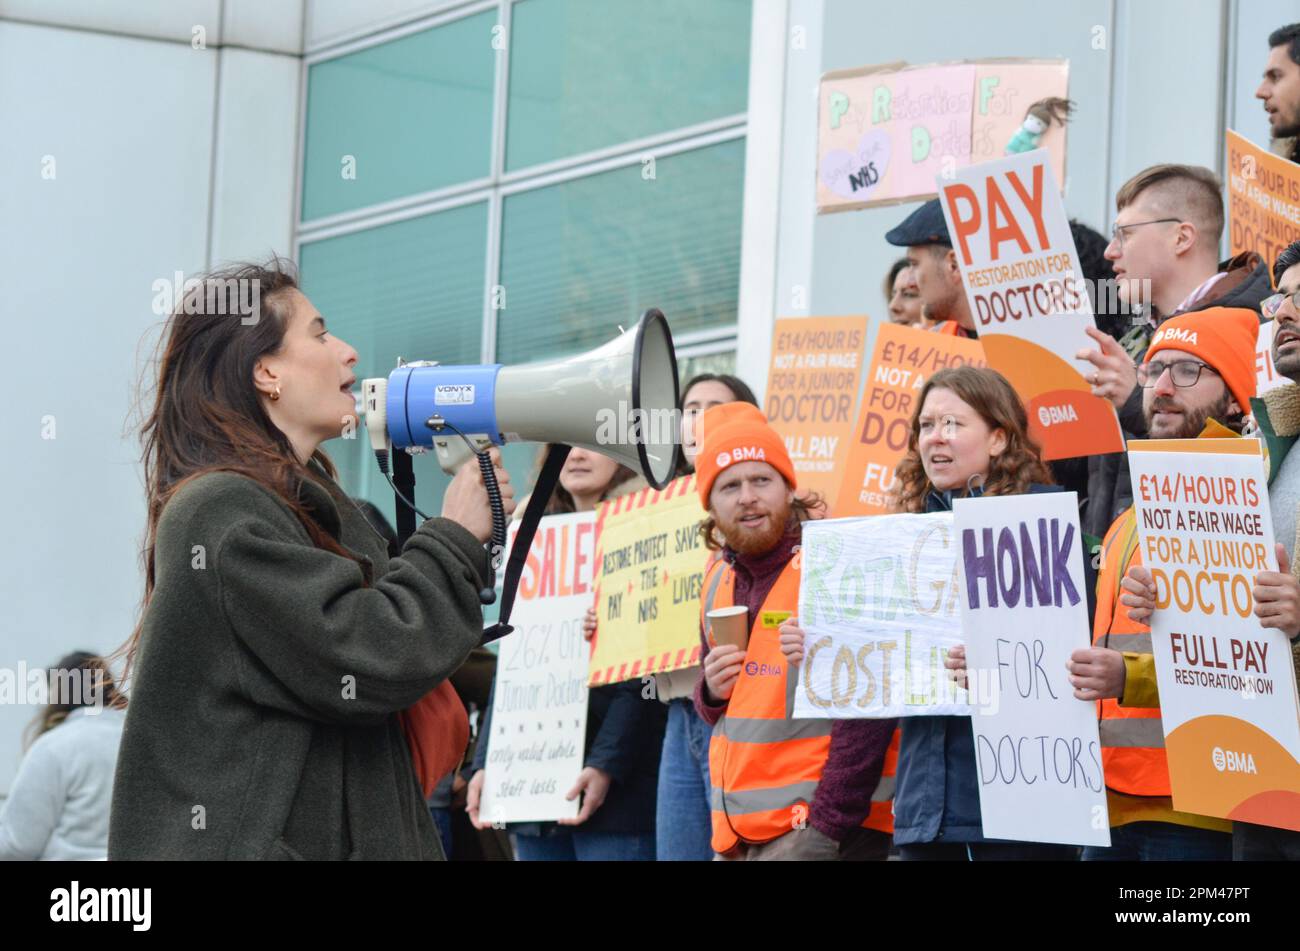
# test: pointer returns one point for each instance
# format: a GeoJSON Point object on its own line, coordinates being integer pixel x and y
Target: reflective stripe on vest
{"type": "Point", "coordinates": [765, 766]}
{"type": "Point", "coordinates": [1132, 738]}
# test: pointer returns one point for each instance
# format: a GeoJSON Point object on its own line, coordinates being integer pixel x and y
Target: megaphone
{"type": "Point", "coordinates": [619, 400]}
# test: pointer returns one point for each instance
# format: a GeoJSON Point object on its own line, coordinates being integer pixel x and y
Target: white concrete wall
{"type": "Point", "coordinates": [165, 158]}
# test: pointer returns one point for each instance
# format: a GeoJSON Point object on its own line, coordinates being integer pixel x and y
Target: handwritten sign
{"type": "Point", "coordinates": [905, 357]}
{"type": "Point", "coordinates": [885, 132]}
{"type": "Point", "coordinates": [812, 388]}
{"type": "Point", "coordinates": [1263, 199]}
{"type": "Point", "coordinates": [651, 560]}
{"type": "Point", "coordinates": [878, 602]}
{"type": "Point", "coordinates": [539, 707]}
{"type": "Point", "coordinates": [1024, 609]}
{"type": "Point", "coordinates": [1027, 294]}
{"type": "Point", "coordinates": [1227, 686]}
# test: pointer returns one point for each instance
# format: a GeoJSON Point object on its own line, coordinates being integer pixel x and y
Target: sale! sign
{"type": "Point", "coordinates": [539, 699]}
{"type": "Point", "coordinates": [812, 387]}
{"type": "Point", "coordinates": [905, 357]}
{"type": "Point", "coordinates": [1228, 700]}
{"type": "Point", "coordinates": [1028, 297]}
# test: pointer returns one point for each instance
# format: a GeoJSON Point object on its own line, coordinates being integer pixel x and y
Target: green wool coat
{"type": "Point", "coordinates": [263, 709]}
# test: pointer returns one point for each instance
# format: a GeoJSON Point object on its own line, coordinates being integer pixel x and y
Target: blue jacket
{"type": "Point", "coordinates": [937, 794]}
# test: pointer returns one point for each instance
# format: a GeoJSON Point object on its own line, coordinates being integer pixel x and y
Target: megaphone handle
{"type": "Point", "coordinates": [497, 545]}
{"type": "Point", "coordinates": [545, 485]}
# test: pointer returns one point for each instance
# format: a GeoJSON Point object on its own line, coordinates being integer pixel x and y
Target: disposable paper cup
{"type": "Point", "coordinates": [730, 626]}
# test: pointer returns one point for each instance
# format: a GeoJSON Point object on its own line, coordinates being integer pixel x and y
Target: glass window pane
{"type": "Point", "coordinates": [587, 74]}
{"type": "Point", "coordinates": [412, 289]}
{"type": "Point", "coordinates": [582, 257]}
{"type": "Point", "coordinates": [415, 114]}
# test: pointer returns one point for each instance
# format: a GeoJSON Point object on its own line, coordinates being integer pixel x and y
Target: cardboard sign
{"type": "Point", "coordinates": [1028, 297]}
{"type": "Point", "coordinates": [1024, 609]}
{"type": "Point", "coordinates": [539, 705]}
{"type": "Point", "coordinates": [1227, 685]}
{"type": "Point", "coordinates": [1263, 199]}
{"type": "Point", "coordinates": [904, 359]}
{"type": "Point", "coordinates": [812, 388]}
{"type": "Point", "coordinates": [885, 132]}
{"type": "Point", "coordinates": [650, 569]}
{"type": "Point", "coordinates": [878, 602]}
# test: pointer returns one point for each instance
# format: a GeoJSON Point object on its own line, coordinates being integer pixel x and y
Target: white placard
{"type": "Point", "coordinates": [878, 603]}
{"type": "Point", "coordinates": [1024, 607]}
{"type": "Point", "coordinates": [539, 711]}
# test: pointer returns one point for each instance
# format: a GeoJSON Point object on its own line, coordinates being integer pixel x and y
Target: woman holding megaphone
{"type": "Point", "coordinates": [279, 645]}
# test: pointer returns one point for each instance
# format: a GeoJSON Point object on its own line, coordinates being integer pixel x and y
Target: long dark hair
{"type": "Point", "coordinates": [81, 669]}
{"type": "Point", "coordinates": [989, 394]}
{"type": "Point", "coordinates": [206, 415]}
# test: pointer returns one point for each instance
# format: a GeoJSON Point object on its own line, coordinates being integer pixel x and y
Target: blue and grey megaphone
{"type": "Point", "coordinates": [619, 400]}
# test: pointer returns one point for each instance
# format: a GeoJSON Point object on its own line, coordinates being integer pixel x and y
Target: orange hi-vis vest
{"type": "Point", "coordinates": [1132, 738]}
{"type": "Point", "coordinates": [764, 767]}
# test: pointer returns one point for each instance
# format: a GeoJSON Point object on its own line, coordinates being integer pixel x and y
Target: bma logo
{"type": "Point", "coordinates": [453, 394]}
{"type": "Point", "coordinates": [1179, 334]}
{"type": "Point", "coordinates": [762, 670]}
{"type": "Point", "coordinates": [723, 460]}
{"type": "Point", "coordinates": [1233, 762]}
{"type": "Point", "coordinates": [1051, 415]}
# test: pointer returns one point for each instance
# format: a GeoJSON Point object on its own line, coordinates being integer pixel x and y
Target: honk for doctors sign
{"type": "Point", "coordinates": [1227, 685]}
{"type": "Point", "coordinates": [1028, 298]}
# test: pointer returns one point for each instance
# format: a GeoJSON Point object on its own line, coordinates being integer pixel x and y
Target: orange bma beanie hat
{"type": "Point", "coordinates": [1224, 337]}
{"type": "Point", "coordinates": [737, 432]}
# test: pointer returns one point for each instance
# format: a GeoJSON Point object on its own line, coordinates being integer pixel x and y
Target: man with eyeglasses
{"type": "Point", "coordinates": [1164, 247]}
{"type": "Point", "coordinates": [1197, 380]}
{"type": "Point", "coordinates": [1278, 415]}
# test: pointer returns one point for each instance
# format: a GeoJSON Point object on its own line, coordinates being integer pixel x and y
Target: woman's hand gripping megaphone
{"type": "Point", "coordinates": [466, 500]}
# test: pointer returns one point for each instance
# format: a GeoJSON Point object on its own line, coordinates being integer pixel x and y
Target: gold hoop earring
{"type": "Point", "coordinates": [276, 394]}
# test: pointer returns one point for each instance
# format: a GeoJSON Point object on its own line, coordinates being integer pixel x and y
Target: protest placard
{"type": "Point", "coordinates": [905, 357]}
{"type": "Point", "coordinates": [878, 603]}
{"type": "Point", "coordinates": [1228, 701]}
{"type": "Point", "coordinates": [884, 132]}
{"type": "Point", "coordinates": [650, 569]}
{"type": "Point", "coordinates": [1024, 609]}
{"type": "Point", "coordinates": [1028, 298]}
{"type": "Point", "coordinates": [1263, 199]}
{"type": "Point", "coordinates": [812, 389]}
{"type": "Point", "coordinates": [539, 706]}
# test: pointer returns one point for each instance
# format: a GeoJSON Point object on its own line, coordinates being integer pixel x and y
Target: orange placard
{"type": "Point", "coordinates": [812, 388]}
{"type": "Point", "coordinates": [1263, 199]}
{"type": "Point", "coordinates": [904, 358]}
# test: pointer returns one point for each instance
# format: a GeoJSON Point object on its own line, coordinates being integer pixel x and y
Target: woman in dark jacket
{"type": "Point", "coordinates": [969, 436]}
{"type": "Point", "coordinates": [625, 728]}
{"type": "Point", "coordinates": [278, 642]}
